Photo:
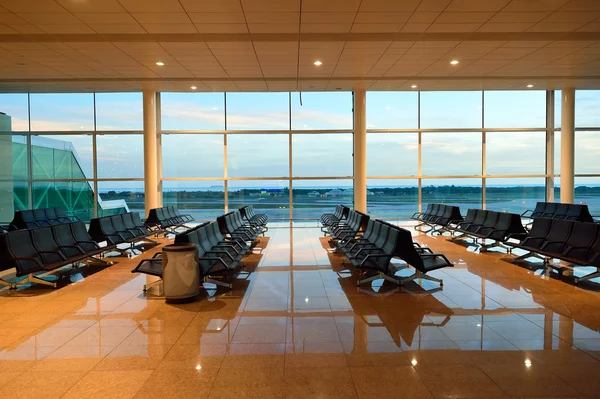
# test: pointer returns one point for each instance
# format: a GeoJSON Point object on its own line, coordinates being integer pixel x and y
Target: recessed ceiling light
{"type": "Point", "coordinates": [529, 86]}
{"type": "Point", "coordinates": [193, 87]}
{"type": "Point", "coordinates": [160, 63]}
{"type": "Point", "coordinates": [318, 63]}
{"type": "Point", "coordinates": [414, 86]}
{"type": "Point", "coordinates": [198, 367]}
{"type": "Point", "coordinates": [454, 62]}
{"type": "Point", "coordinates": [414, 362]}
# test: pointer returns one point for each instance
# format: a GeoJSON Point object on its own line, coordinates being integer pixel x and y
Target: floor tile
{"type": "Point", "coordinates": [319, 382]}
{"type": "Point", "coordinates": [109, 384]}
{"type": "Point", "coordinates": [388, 382]}
{"type": "Point", "coordinates": [458, 381]}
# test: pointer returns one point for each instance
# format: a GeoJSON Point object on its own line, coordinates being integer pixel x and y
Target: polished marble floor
{"type": "Point", "coordinates": [298, 326]}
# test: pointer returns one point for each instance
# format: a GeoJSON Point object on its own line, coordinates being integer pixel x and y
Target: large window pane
{"type": "Point", "coordinates": [62, 157]}
{"type": "Point", "coordinates": [322, 154]}
{"type": "Point", "coordinates": [312, 198]}
{"type": "Point", "coordinates": [321, 110]}
{"type": "Point", "coordinates": [465, 193]}
{"type": "Point", "coordinates": [451, 109]}
{"type": "Point", "coordinates": [13, 168]}
{"type": "Point", "coordinates": [523, 108]}
{"type": "Point", "coordinates": [271, 197]}
{"type": "Point", "coordinates": [557, 108]}
{"type": "Point", "coordinates": [449, 154]}
{"type": "Point", "coordinates": [258, 111]}
{"type": "Point", "coordinates": [14, 108]}
{"type": "Point", "coordinates": [392, 199]}
{"type": "Point", "coordinates": [392, 110]}
{"type": "Point", "coordinates": [258, 155]}
{"type": "Point", "coordinates": [587, 108]}
{"type": "Point", "coordinates": [557, 145]}
{"type": "Point", "coordinates": [587, 191]}
{"type": "Point", "coordinates": [204, 200]}
{"type": "Point", "coordinates": [62, 112]}
{"type": "Point", "coordinates": [514, 195]}
{"type": "Point", "coordinates": [192, 155]}
{"type": "Point", "coordinates": [587, 149]}
{"type": "Point", "coordinates": [76, 197]}
{"type": "Point", "coordinates": [192, 111]}
{"type": "Point", "coordinates": [516, 153]}
{"type": "Point", "coordinates": [392, 154]}
{"type": "Point", "coordinates": [119, 111]}
{"type": "Point", "coordinates": [120, 155]}
{"type": "Point", "coordinates": [121, 196]}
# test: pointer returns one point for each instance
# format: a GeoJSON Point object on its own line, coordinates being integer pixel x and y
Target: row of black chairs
{"type": "Point", "coordinates": [125, 228]}
{"type": "Point", "coordinates": [234, 225]}
{"type": "Point", "coordinates": [219, 257]}
{"type": "Point", "coordinates": [355, 223]}
{"type": "Point", "coordinates": [168, 219]}
{"type": "Point", "coordinates": [332, 219]}
{"type": "Point", "coordinates": [255, 219]}
{"type": "Point", "coordinates": [556, 210]}
{"type": "Point", "coordinates": [44, 249]}
{"type": "Point", "coordinates": [373, 252]}
{"type": "Point", "coordinates": [437, 217]}
{"type": "Point", "coordinates": [571, 241]}
{"type": "Point", "coordinates": [32, 218]}
{"type": "Point", "coordinates": [485, 225]}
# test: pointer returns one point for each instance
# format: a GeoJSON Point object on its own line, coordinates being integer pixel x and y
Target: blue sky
{"type": "Point", "coordinates": [260, 155]}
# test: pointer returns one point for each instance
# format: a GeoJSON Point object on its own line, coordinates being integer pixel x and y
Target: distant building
{"type": "Point", "coordinates": [314, 194]}
{"type": "Point", "coordinates": [336, 192]}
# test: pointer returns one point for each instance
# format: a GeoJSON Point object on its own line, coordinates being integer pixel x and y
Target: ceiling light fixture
{"type": "Point", "coordinates": [198, 367]}
{"type": "Point", "coordinates": [414, 362]}
{"type": "Point", "coordinates": [160, 63]}
{"type": "Point", "coordinates": [529, 86]}
{"type": "Point", "coordinates": [527, 363]}
{"type": "Point", "coordinates": [414, 86]}
{"type": "Point", "coordinates": [193, 87]}
{"type": "Point", "coordinates": [318, 63]}
{"type": "Point", "coordinates": [454, 62]}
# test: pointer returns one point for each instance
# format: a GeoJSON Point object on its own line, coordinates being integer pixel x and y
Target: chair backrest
{"type": "Point", "coordinates": [369, 230]}
{"type": "Point", "coordinates": [28, 217]}
{"type": "Point", "coordinates": [428, 210]}
{"type": "Point", "coordinates": [550, 209]}
{"type": "Point", "coordinates": [540, 227]}
{"type": "Point", "coordinates": [471, 213]}
{"type": "Point", "coordinates": [217, 231]}
{"type": "Point", "coordinates": [594, 248]}
{"type": "Point", "coordinates": [390, 242]}
{"type": "Point", "coordinates": [117, 222]}
{"type": "Point", "coordinates": [40, 217]}
{"type": "Point", "coordinates": [170, 211]}
{"type": "Point", "coordinates": [406, 251]}
{"type": "Point", "coordinates": [107, 226]}
{"type": "Point", "coordinates": [434, 209]}
{"type": "Point", "coordinates": [160, 214]}
{"type": "Point", "coordinates": [561, 211]}
{"type": "Point", "coordinates": [18, 244]}
{"type": "Point", "coordinates": [137, 220]}
{"type": "Point", "coordinates": [384, 231]}
{"type": "Point", "coordinates": [560, 230]}
{"type": "Point", "coordinates": [51, 214]}
{"type": "Point", "coordinates": [447, 212]}
{"type": "Point", "coordinates": [503, 222]}
{"type": "Point", "coordinates": [61, 212]}
{"type": "Point", "coordinates": [490, 219]}
{"type": "Point", "coordinates": [63, 234]}
{"type": "Point", "coordinates": [43, 240]}
{"type": "Point", "coordinates": [127, 219]}
{"type": "Point", "coordinates": [480, 217]}
{"type": "Point", "coordinates": [540, 208]}
{"type": "Point", "coordinates": [583, 235]}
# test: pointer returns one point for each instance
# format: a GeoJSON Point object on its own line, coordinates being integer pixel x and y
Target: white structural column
{"type": "Point", "coordinates": [150, 151]}
{"type": "Point", "coordinates": [360, 150]}
{"type": "Point", "coordinates": [567, 147]}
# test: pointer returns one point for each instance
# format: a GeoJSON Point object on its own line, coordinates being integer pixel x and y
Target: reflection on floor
{"type": "Point", "coordinates": [297, 328]}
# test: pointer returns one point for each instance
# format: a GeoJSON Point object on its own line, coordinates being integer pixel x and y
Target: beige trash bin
{"type": "Point", "coordinates": [181, 275]}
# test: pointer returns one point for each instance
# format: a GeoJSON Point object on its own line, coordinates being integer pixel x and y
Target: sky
{"type": "Point", "coordinates": [260, 155]}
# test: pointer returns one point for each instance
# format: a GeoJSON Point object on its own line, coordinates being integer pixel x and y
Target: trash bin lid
{"type": "Point", "coordinates": [179, 247]}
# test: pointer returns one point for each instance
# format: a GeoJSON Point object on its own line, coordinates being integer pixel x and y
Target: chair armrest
{"type": "Point", "coordinates": [220, 252]}
{"type": "Point", "coordinates": [371, 256]}
{"type": "Point", "coordinates": [53, 252]}
{"type": "Point", "coordinates": [213, 258]}
{"type": "Point", "coordinates": [231, 246]}
{"type": "Point", "coordinates": [524, 213]}
{"type": "Point", "coordinates": [28, 258]}
{"type": "Point", "coordinates": [77, 247]}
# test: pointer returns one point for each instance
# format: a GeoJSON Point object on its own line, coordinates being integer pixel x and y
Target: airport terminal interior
{"type": "Point", "coordinates": [299, 198]}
